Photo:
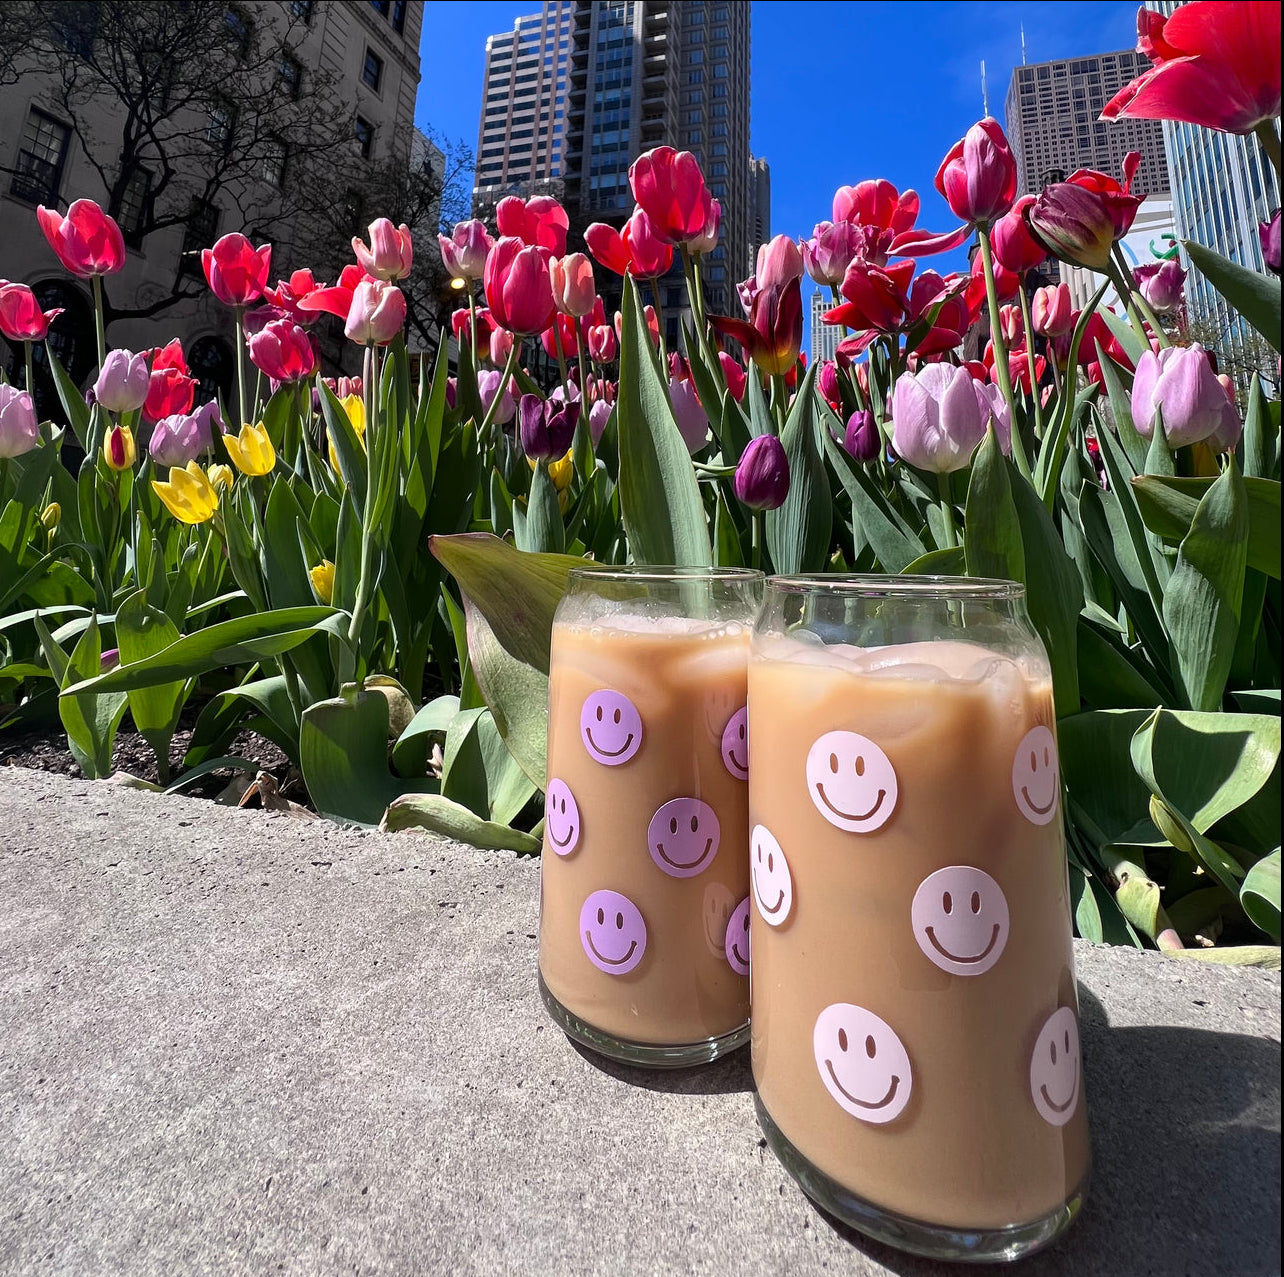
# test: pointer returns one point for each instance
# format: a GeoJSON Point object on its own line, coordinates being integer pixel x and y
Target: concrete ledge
{"type": "Point", "coordinates": [236, 1043]}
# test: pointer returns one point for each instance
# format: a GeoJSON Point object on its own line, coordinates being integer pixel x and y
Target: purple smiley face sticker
{"type": "Point", "coordinates": [611, 727]}
{"type": "Point", "coordinates": [737, 942]}
{"type": "Point", "coordinates": [683, 837]}
{"type": "Point", "coordinates": [562, 818]}
{"type": "Point", "coordinates": [960, 919]}
{"type": "Point", "coordinates": [612, 932]}
{"type": "Point", "coordinates": [735, 744]}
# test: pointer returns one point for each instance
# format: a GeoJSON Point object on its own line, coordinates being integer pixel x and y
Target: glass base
{"type": "Point", "coordinates": [647, 1055]}
{"type": "Point", "coordinates": [936, 1241]}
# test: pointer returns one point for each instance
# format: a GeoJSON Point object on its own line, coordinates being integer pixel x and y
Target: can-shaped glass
{"type": "Point", "coordinates": [915, 1021]}
{"type": "Point", "coordinates": [644, 882]}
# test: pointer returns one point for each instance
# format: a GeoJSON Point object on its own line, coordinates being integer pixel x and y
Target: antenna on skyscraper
{"type": "Point", "coordinates": [1023, 44]}
{"type": "Point", "coordinates": [985, 97]}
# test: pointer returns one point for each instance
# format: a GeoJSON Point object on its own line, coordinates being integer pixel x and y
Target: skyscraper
{"type": "Point", "coordinates": [759, 202]}
{"type": "Point", "coordinates": [824, 337]}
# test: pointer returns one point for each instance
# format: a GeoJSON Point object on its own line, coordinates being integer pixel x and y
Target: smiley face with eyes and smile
{"type": "Point", "coordinates": [851, 782]}
{"type": "Point", "coordinates": [960, 919]}
{"type": "Point", "coordinates": [862, 1063]}
{"type": "Point", "coordinates": [773, 884]}
{"type": "Point", "coordinates": [612, 932]}
{"type": "Point", "coordinates": [1054, 1068]}
{"type": "Point", "coordinates": [683, 837]}
{"type": "Point", "coordinates": [735, 744]}
{"type": "Point", "coordinates": [610, 727]}
{"type": "Point", "coordinates": [737, 941]}
{"type": "Point", "coordinates": [1036, 776]}
{"type": "Point", "coordinates": [561, 817]}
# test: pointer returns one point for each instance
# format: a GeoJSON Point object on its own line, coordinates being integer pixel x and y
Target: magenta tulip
{"type": "Point", "coordinates": [762, 475]}
{"type": "Point", "coordinates": [669, 187]}
{"type": "Point", "coordinates": [1014, 247]}
{"type": "Point", "coordinates": [978, 177]}
{"type": "Point", "coordinates": [541, 222]}
{"type": "Point", "coordinates": [235, 270]}
{"type": "Point", "coordinates": [519, 290]}
{"type": "Point", "coordinates": [1161, 284]}
{"type": "Point", "coordinates": [861, 438]}
{"type": "Point", "coordinates": [283, 351]}
{"type": "Point", "coordinates": [21, 318]}
{"type": "Point", "coordinates": [1269, 235]}
{"type": "Point", "coordinates": [88, 242]}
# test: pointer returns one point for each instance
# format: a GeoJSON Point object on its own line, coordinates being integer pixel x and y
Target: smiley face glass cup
{"type": "Point", "coordinates": [915, 1025]}
{"type": "Point", "coordinates": [644, 913]}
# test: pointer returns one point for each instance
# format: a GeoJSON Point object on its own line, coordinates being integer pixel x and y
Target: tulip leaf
{"type": "Point", "coordinates": [410, 753]}
{"type": "Point", "coordinates": [992, 532]}
{"type": "Point", "coordinates": [1256, 297]}
{"type": "Point", "coordinates": [479, 771]}
{"type": "Point", "coordinates": [1134, 445]}
{"type": "Point", "coordinates": [798, 531]}
{"type": "Point", "coordinates": [948, 562]}
{"type": "Point", "coordinates": [349, 451]}
{"type": "Point", "coordinates": [659, 498]}
{"type": "Point", "coordinates": [1205, 594]}
{"type": "Point", "coordinates": [439, 815]}
{"type": "Point", "coordinates": [72, 400]}
{"type": "Point", "coordinates": [143, 631]}
{"type": "Point", "coordinates": [1259, 894]}
{"type": "Point", "coordinates": [266, 699]}
{"type": "Point", "coordinates": [1260, 434]}
{"type": "Point", "coordinates": [1111, 674]}
{"type": "Point", "coordinates": [894, 545]}
{"type": "Point", "coordinates": [759, 413]}
{"type": "Point", "coordinates": [544, 529]}
{"type": "Point", "coordinates": [1124, 333]}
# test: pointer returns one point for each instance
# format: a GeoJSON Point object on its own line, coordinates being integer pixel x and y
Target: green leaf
{"type": "Point", "coordinates": [349, 451]}
{"type": "Point", "coordinates": [1256, 297]}
{"type": "Point", "coordinates": [544, 530]}
{"type": "Point", "coordinates": [798, 532]}
{"type": "Point", "coordinates": [1248, 955]}
{"type": "Point", "coordinates": [1260, 895]}
{"type": "Point", "coordinates": [266, 699]}
{"type": "Point", "coordinates": [89, 718]}
{"type": "Point", "coordinates": [439, 815]}
{"type": "Point", "coordinates": [1205, 594]}
{"type": "Point", "coordinates": [480, 772]}
{"type": "Point", "coordinates": [894, 545]}
{"type": "Point", "coordinates": [992, 532]}
{"type": "Point", "coordinates": [659, 497]}
{"type": "Point", "coordinates": [950, 562]}
{"type": "Point", "coordinates": [73, 402]}
{"type": "Point", "coordinates": [410, 753]}
{"type": "Point", "coordinates": [143, 631]}
{"type": "Point", "coordinates": [1111, 675]}
{"type": "Point", "coordinates": [1260, 460]}
{"type": "Point", "coordinates": [1134, 446]}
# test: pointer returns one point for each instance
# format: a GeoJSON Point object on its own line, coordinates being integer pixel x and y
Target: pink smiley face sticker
{"type": "Point", "coordinates": [611, 727]}
{"type": "Point", "coordinates": [773, 884]}
{"type": "Point", "coordinates": [683, 837]}
{"type": "Point", "coordinates": [1036, 776]}
{"type": "Point", "coordinates": [851, 782]}
{"type": "Point", "coordinates": [1054, 1068]}
{"type": "Point", "coordinates": [737, 941]}
{"type": "Point", "coordinates": [862, 1063]}
{"type": "Point", "coordinates": [735, 744]}
{"type": "Point", "coordinates": [612, 932]}
{"type": "Point", "coordinates": [960, 919]}
{"type": "Point", "coordinates": [561, 818]}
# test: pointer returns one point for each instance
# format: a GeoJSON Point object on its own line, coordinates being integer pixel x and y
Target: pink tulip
{"type": "Point", "coordinates": [337, 298]}
{"type": "Point", "coordinates": [1227, 435]}
{"type": "Point", "coordinates": [733, 373]}
{"type": "Point", "coordinates": [87, 241]}
{"type": "Point", "coordinates": [936, 418]}
{"type": "Point", "coordinates": [19, 430]}
{"type": "Point", "coordinates": [573, 288]}
{"type": "Point", "coordinates": [956, 313]}
{"type": "Point", "coordinates": [21, 318]}
{"type": "Point", "coordinates": [601, 343]}
{"type": "Point", "coordinates": [832, 248]}
{"type": "Point", "coordinates": [288, 296]}
{"type": "Point", "coordinates": [1051, 311]}
{"type": "Point", "coordinates": [1011, 323]}
{"type": "Point", "coordinates": [669, 187]}
{"type": "Point", "coordinates": [599, 415]}
{"type": "Point", "coordinates": [1268, 234]}
{"type": "Point", "coordinates": [1160, 283]}
{"type": "Point", "coordinates": [978, 177]}
{"type": "Point", "coordinates": [488, 383]}
{"type": "Point", "coordinates": [175, 441]}
{"type": "Point", "coordinates": [1180, 381]}
{"type": "Point", "coordinates": [707, 240]}
{"type": "Point", "coordinates": [123, 381]}
{"type": "Point", "coordinates": [541, 222]}
{"type": "Point", "coordinates": [519, 290]}
{"type": "Point", "coordinates": [649, 254]}
{"type": "Point", "coordinates": [464, 253]}
{"type": "Point", "coordinates": [235, 270]}
{"type": "Point", "coordinates": [501, 346]}
{"type": "Point", "coordinates": [1014, 247]}
{"type": "Point", "coordinates": [390, 255]}
{"type": "Point", "coordinates": [377, 315]}
{"type": "Point", "coordinates": [284, 352]}
{"type": "Point", "coordinates": [693, 421]}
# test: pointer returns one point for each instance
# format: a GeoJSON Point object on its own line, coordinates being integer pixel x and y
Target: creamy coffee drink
{"type": "Point", "coordinates": [644, 932]}
{"type": "Point", "coordinates": [915, 1025]}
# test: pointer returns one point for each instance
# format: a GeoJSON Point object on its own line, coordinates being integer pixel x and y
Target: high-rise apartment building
{"type": "Point", "coordinates": [522, 129]}
{"type": "Point", "coordinates": [1053, 123]}
{"type": "Point", "coordinates": [760, 202]}
{"type": "Point", "coordinates": [824, 337]}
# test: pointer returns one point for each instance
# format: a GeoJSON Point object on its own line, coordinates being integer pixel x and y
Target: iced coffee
{"type": "Point", "coordinates": [915, 1026]}
{"type": "Point", "coordinates": [644, 938]}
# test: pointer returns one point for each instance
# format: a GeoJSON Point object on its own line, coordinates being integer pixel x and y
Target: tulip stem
{"type": "Point", "coordinates": [756, 522]}
{"type": "Point", "coordinates": [509, 368]}
{"type": "Point", "coordinates": [472, 326]}
{"type": "Point", "coordinates": [1270, 142]}
{"type": "Point", "coordinates": [1031, 365]}
{"type": "Point", "coordinates": [240, 363]}
{"type": "Point", "coordinates": [579, 362]}
{"type": "Point", "coordinates": [1001, 369]}
{"type": "Point", "coordinates": [947, 507]}
{"type": "Point", "coordinates": [30, 386]}
{"type": "Point", "coordinates": [1136, 304]}
{"type": "Point", "coordinates": [100, 328]}
{"type": "Point", "coordinates": [561, 362]}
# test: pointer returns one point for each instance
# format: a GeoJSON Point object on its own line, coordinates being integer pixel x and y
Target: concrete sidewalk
{"type": "Point", "coordinates": [237, 1043]}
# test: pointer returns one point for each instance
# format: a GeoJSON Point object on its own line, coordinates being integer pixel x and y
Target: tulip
{"type": "Point", "coordinates": [772, 298]}
{"type": "Point", "coordinates": [19, 430]}
{"type": "Point", "coordinates": [572, 280]}
{"type": "Point", "coordinates": [390, 255]}
{"type": "Point", "coordinates": [956, 307]}
{"type": "Point", "coordinates": [649, 254]}
{"type": "Point", "coordinates": [175, 441]}
{"type": "Point", "coordinates": [288, 296]}
{"type": "Point", "coordinates": [936, 418]}
{"type": "Point", "coordinates": [539, 223]}
{"type": "Point", "coordinates": [251, 450]}
{"type": "Point", "coordinates": [547, 429]}
{"type": "Point", "coordinates": [733, 374]}
{"type": "Point", "coordinates": [707, 240]}
{"type": "Point", "coordinates": [87, 241]}
{"type": "Point", "coordinates": [1160, 283]}
{"type": "Point", "coordinates": [1226, 437]}
{"type": "Point", "coordinates": [1011, 324]}
{"type": "Point", "coordinates": [377, 315]}
{"type": "Point", "coordinates": [599, 415]}
{"type": "Point", "coordinates": [188, 495]}
{"type": "Point", "coordinates": [1019, 368]}
{"type": "Point", "coordinates": [1214, 64]}
{"type": "Point", "coordinates": [488, 387]}
{"type": "Point", "coordinates": [601, 343]}
{"type": "Point", "coordinates": [464, 253]}
{"type": "Point", "coordinates": [669, 187]}
{"type": "Point", "coordinates": [1014, 247]}
{"type": "Point", "coordinates": [207, 417]}
{"type": "Point", "coordinates": [235, 270]}
{"type": "Point", "coordinates": [21, 318]}
{"type": "Point", "coordinates": [354, 408]}
{"type": "Point", "coordinates": [501, 346]}
{"type": "Point", "coordinates": [563, 326]}
{"type": "Point", "coordinates": [831, 250]}
{"type": "Point", "coordinates": [119, 449]}
{"type": "Point", "coordinates": [337, 298]}
{"type": "Point", "coordinates": [283, 351]}
{"type": "Point", "coordinates": [123, 381]}
{"type": "Point", "coordinates": [1269, 234]}
{"type": "Point", "coordinates": [51, 517]}
{"type": "Point", "coordinates": [222, 478]}
{"type": "Point", "coordinates": [322, 578]}
{"type": "Point", "coordinates": [688, 412]}
{"type": "Point", "coordinates": [978, 177]}
{"type": "Point", "coordinates": [519, 289]}
{"type": "Point", "coordinates": [875, 297]}
{"type": "Point", "coordinates": [886, 221]}
{"type": "Point", "coordinates": [1078, 220]}
{"type": "Point", "coordinates": [562, 472]}
{"type": "Point", "coordinates": [827, 384]}
{"type": "Point", "coordinates": [1179, 381]}
{"type": "Point", "coordinates": [169, 393]}
{"type": "Point", "coordinates": [994, 411]}
{"type": "Point", "coordinates": [762, 475]}
{"type": "Point", "coordinates": [861, 438]}
{"type": "Point", "coordinates": [1051, 311]}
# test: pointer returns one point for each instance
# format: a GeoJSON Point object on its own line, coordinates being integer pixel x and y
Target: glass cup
{"type": "Point", "coordinates": [915, 1020]}
{"type": "Point", "coordinates": [644, 879]}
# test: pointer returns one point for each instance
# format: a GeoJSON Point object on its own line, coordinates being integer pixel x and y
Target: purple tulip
{"type": "Point", "coordinates": [937, 418]}
{"type": "Point", "coordinates": [547, 429]}
{"type": "Point", "coordinates": [599, 415]}
{"type": "Point", "coordinates": [1269, 234]}
{"type": "Point", "coordinates": [208, 418]}
{"type": "Point", "coordinates": [452, 390]}
{"type": "Point", "coordinates": [122, 381]}
{"type": "Point", "coordinates": [488, 387]}
{"type": "Point", "coordinates": [762, 475]}
{"type": "Point", "coordinates": [693, 422]}
{"type": "Point", "coordinates": [1180, 381]}
{"type": "Point", "coordinates": [1160, 283]}
{"type": "Point", "coordinates": [464, 253]}
{"type": "Point", "coordinates": [19, 430]}
{"type": "Point", "coordinates": [175, 441]}
{"type": "Point", "coordinates": [831, 250]}
{"type": "Point", "coordinates": [827, 384]}
{"type": "Point", "coordinates": [862, 439]}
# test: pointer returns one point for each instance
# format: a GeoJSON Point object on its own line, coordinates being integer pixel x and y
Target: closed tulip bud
{"type": "Point", "coordinates": [251, 451]}
{"type": "Point", "coordinates": [572, 280]}
{"type": "Point", "coordinates": [1161, 283]}
{"type": "Point", "coordinates": [547, 429]}
{"type": "Point", "coordinates": [1011, 323]}
{"type": "Point", "coordinates": [978, 178]}
{"type": "Point", "coordinates": [235, 270]}
{"type": "Point", "coordinates": [175, 441]}
{"type": "Point", "coordinates": [827, 383]}
{"type": "Point", "coordinates": [464, 253]}
{"type": "Point", "coordinates": [689, 413]}
{"type": "Point", "coordinates": [734, 375]}
{"type": "Point", "coordinates": [222, 478]}
{"type": "Point", "coordinates": [283, 351]}
{"type": "Point", "coordinates": [669, 186]}
{"type": "Point", "coordinates": [762, 475]}
{"type": "Point", "coordinates": [88, 242]}
{"type": "Point", "coordinates": [119, 450]}
{"type": "Point", "coordinates": [599, 415]}
{"type": "Point", "coordinates": [861, 439]}
{"type": "Point", "coordinates": [322, 578]}
{"type": "Point", "coordinates": [51, 516]}
{"type": "Point", "coordinates": [1073, 224]}
{"type": "Point", "coordinates": [377, 313]}
{"type": "Point", "coordinates": [501, 346]}
{"type": "Point", "coordinates": [1269, 234]}
{"type": "Point", "coordinates": [1179, 381]}
{"type": "Point", "coordinates": [19, 430]}
{"type": "Point", "coordinates": [123, 381]}
{"type": "Point", "coordinates": [601, 343]}
{"type": "Point", "coordinates": [488, 384]}
{"type": "Point", "coordinates": [21, 318]}
{"type": "Point", "coordinates": [1015, 248]}
{"type": "Point", "coordinates": [519, 290]}
{"type": "Point", "coordinates": [188, 494]}
{"type": "Point", "coordinates": [936, 418]}
{"type": "Point", "coordinates": [390, 254]}
{"type": "Point", "coordinates": [1051, 311]}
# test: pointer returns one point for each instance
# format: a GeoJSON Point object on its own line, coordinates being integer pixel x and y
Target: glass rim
{"type": "Point", "coordinates": [661, 572]}
{"type": "Point", "coordinates": [873, 586]}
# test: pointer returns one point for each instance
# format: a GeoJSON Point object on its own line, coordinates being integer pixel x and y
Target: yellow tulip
{"type": "Point", "coordinates": [322, 578]}
{"type": "Point", "coordinates": [222, 478]}
{"type": "Point", "coordinates": [562, 471]}
{"type": "Point", "coordinates": [51, 516]}
{"type": "Point", "coordinates": [188, 495]}
{"type": "Point", "coordinates": [355, 408]}
{"type": "Point", "coordinates": [251, 451]}
{"type": "Point", "coordinates": [119, 451]}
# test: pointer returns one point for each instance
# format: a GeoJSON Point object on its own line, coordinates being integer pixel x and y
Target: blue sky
{"type": "Point", "coordinates": [840, 91]}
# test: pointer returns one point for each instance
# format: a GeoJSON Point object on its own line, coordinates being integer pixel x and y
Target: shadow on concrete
{"type": "Point", "coordinates": [1186, 1159]}
{"type": "Point", "coordinates": [728, 1076]}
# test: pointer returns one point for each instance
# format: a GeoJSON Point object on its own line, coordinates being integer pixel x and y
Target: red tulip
{"type": "Point", "coordinates": [21, 318]}
{"type": "Point", "coordinates": [669, 187]}
{"type": "Point", "coordinates": [283, 351]}
{"type": "Point", "coordinates": [734, 375]}
{"type": "Point", "coordinates": [649, 254]}
{"type": "Point", "coordinates": [170, 391]}
{"type": "Point", "coordinates": [337, 298]}
{"type": "Point", "coordinates": [1215, 64]}
{"type": "Point", "coordinates": [886, 218]}
{"type": "Point", "coordinates": [87, 241]}
{"type": "Point", "coordinates": [288, 296]}
{"type": "Point", "coordinates": [1080, 219]}
{"type": "Point", "coordinates": [772, 334]}
{"type": "Point", "coordinates": [518, 288]}
{"type": "Point", "coordinates": [539, 223]}
{"type": "Point", "coordinates": [953, 318]}
{"type": "Point", "coordinates": [601, 343]}
{"type": "Point", "coordinates": [1014, 247]}
{"type": "Point", "coordinates": [1118, 200]}
{"type": "Point", "coordinates": [377, 315]}
{"type": "Point", "coordinates": [235, 270]}
{"type": "Point", "coordinates": [390, 255]}
{"type": "Point", "coordinates": [876, 297]}
{"type": "Point", "coordinates": [564, 326]}
{"type": "Point", "coordinates": [1006, 284]}
{"type": "Point", "coordinates": [461, 324]}
{"type": "Point", "coordinates": [978, 177]}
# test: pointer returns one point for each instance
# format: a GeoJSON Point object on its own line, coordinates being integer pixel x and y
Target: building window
{"type": "Point", "coordinates": [239, 29]}
{"type": "Point", "coordinates": [302, 9]}
{"type": "Point", "coordinates": [38, 173]}
{"type": "Point", "coordinates": [372, 70]}
{"type": "Point", "coordinates": [290, 74]}
{"type": "Point", "coordinates": [381, 7]}
{"type": "Point", "coordinates": [399, 16]}
{"type": "Point", "coordinates": [220, 124]}
{"type": "Point", "coordinates": [363, 131]}
{"type": "Point", "coordinates": [202, 227]}
{"type": "Point", "coordinates": [274, 156]}
{"type": "Point", "coordinates": [135, 205]}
